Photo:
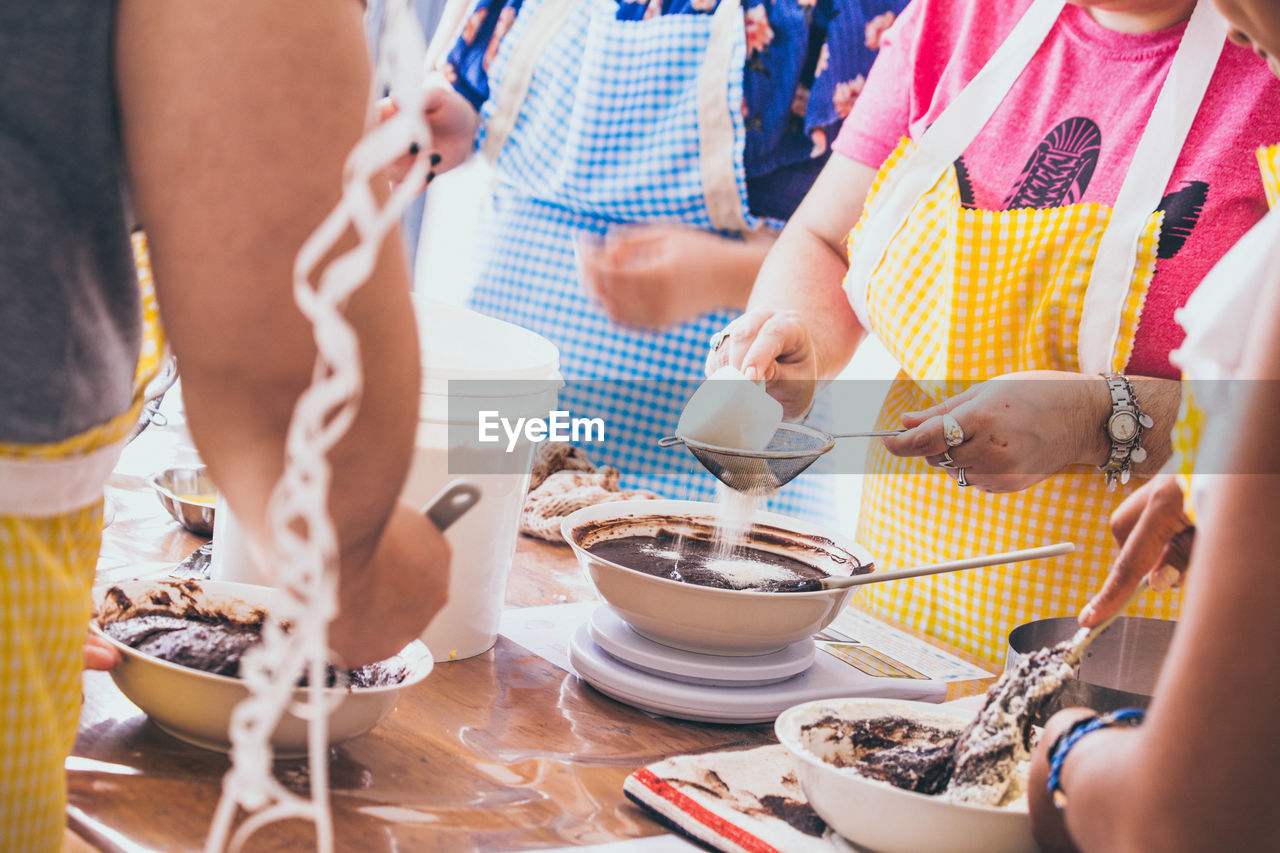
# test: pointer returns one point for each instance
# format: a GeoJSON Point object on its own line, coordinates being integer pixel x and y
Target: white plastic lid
{"type": "Point", "coordinates": [459, 344]}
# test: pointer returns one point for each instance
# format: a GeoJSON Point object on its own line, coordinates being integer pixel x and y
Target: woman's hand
{"type": "Point", "coordinates": [774, 346]}
{"type": "Point", "coordinates": [1155, 536]}
{"type": "Point", "coordinates": [1017, 429]}
{"type": "Point", "coordinates": [99, 654]}
{"type": "Point", "coordinates": [1047, 824]}
{"type": "Point", "coordinates": [453, 123]}
{"type": "Point", "coordinates": [654, 276]}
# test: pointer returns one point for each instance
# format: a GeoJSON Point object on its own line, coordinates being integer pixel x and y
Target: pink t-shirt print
{"type": "Point", "coordinates": [1067, 132]}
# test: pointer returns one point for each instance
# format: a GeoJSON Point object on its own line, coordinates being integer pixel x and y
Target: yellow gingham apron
{"type": "Point", "coordinates": [47, 564]}
{"type": "Point", "coordinates": [960, 296]}
{"type": "Point", "coordinates": [1242, 285]}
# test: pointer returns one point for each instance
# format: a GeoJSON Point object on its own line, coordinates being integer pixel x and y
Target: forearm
{"type": "Point", "coordinates": [235, 140]}
{"type": "Point", "coordinates": [802, 273]}
{"type": "Point", "coordinates": [733, 266]}
{"type": "Point", "coordinates": [805, 270]}
{"type": "Point", "coordinates": [1195, 775]}
{"type": "Point", "coordinates": [1103, 780]}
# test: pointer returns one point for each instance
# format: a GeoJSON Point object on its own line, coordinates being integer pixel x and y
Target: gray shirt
{"type": "Point", "coordinates": [70, 321]}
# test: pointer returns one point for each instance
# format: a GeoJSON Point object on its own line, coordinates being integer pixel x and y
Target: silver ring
{"type": "Point", "coordinates": [960, 480]}
{"type": "Point", "coordinates": [947, 461]}
{"type": "Point", "coordinates": [718, 339]}
{"type": "Point", "coordinates": [951, 432]}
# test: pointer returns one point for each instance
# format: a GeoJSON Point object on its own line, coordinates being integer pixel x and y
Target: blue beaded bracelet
{"type": "Point", "coordinates": [1072, 736]}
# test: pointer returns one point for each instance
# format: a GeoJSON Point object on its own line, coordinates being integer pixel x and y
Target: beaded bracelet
{"type": "Point", "coordinates": [1062, 746]}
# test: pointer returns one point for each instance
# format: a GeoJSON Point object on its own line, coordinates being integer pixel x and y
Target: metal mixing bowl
{"type": "Point", "coordinates": [175, 487]}
{"type": "Point", "coordinates": [1119, 669]}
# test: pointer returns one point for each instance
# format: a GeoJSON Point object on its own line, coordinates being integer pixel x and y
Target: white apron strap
{"type": "Point", "coordinates": [46, 487]}
{"type": "Point", "coordinates": [1157, 153]}
{"type": "Point", "coordinates": [510, 96]}
{"type": "Point", "coordinates": [716, 143]}
{"type": "Point", "coordinates": [943, 142]}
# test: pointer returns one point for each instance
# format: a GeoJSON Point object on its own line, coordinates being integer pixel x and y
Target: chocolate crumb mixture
{"type": "Point", "coordinates": [799, 816]}
{"type": "Point", "coordinates": [215, 643]}
{"type": "Point", "coordinates": [896, 750]}
{"type": "Point", "coordinates": [187, 642]}
{"type": "Point", "coordinates": [982, 764]}
{"type": "Point", "coordinates": [1001, 736]}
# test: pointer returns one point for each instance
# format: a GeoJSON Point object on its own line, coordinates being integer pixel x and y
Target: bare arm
{"type": "Point", "coordinates": [799, 325]}
{"type": "Point", "coordinates": [1195, 776]}
{"type": "Point", "coordinates": [805, 270]}
{"type": "Point", "coordinates": [237, 117]}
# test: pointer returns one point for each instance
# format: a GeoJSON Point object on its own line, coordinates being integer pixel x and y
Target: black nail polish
{"type": "Point", "coordinates": [430, 176]}
{"type": "Point", "coordinates": [435, 159]}
{"type": "Point", "coordinates": [414, 149]}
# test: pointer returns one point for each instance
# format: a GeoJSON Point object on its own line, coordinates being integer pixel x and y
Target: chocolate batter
{"type": "Point", "coordinates": [902, 752]}
{"type": "Point", "coordinates": [690, 560]}
{"type": "Point", "coordinates": [216, 645]}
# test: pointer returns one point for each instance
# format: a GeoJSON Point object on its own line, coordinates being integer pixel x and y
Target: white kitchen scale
{"type": "Point", "coordinates": [620, 663]}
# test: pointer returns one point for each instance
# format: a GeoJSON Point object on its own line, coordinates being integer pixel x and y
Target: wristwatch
{"type": "Point", "coordinates": [1124, 426]}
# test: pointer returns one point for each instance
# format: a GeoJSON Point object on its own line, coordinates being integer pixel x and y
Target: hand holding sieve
{"type": "Point", "coordinates": [793, 448]}
{"type": "Point", "coordinates": [814, 584]}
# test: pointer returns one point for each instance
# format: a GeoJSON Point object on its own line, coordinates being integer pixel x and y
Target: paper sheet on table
{"type": "Point", "coordinates": [865, 633]}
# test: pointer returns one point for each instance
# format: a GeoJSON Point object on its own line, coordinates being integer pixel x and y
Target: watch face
{"type": "Point", "coordinates": [1123, 426]}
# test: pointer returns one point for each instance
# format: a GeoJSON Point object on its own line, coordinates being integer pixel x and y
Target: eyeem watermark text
{"type": "Point", "coordinates": [558, 427]}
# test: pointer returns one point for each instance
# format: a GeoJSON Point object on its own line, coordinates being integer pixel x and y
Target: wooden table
{"type": "Point", "coordinates": [502, 751]}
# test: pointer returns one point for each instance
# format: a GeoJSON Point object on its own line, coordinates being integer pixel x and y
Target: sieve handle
{"type": "Point", "coordinates": [880, 433]}
{"type": "Point", "coordinates": [452, 502]}
{"type": "Point", "coordinates": [670, 441]}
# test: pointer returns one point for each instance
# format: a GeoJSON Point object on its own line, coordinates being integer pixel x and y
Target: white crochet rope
{"type": "Point", "coordinates": [303, 541]}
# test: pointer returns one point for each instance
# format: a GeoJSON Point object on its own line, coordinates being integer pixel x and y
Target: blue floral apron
{"type": "Point", "coordinates": [596, 121]}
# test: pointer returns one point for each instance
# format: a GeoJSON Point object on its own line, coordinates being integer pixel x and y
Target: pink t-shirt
{"type": "Point", "coordinates": [1069, 127]}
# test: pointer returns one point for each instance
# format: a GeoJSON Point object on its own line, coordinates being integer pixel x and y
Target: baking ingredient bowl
{"type": "Point", "coordinates": [706, 619]}
{"type": "Point", "coordinates": [876, 816]}
{"type": "Point", "coordinates": [1119, 669]}
{"type": "Point", "coordinates": [188, 495]}
{"type": "Point", "coordinates": [195, 706]}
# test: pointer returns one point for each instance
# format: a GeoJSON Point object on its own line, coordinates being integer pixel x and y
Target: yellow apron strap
{"type": "Point", "coordinates": [152, 353]}
{"type": "Point", "coordinates": [1269, 164]}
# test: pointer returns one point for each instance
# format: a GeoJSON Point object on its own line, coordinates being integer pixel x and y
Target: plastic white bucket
{"type": "Point", "coordinates": [472, 363]}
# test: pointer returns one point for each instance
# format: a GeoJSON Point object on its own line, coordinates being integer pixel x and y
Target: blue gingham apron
{"type": "Point", "coordinates": [596, 121]}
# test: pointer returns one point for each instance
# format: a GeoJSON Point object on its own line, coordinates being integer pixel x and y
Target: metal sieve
{"type": "Point", "coordinates": [793, 448]}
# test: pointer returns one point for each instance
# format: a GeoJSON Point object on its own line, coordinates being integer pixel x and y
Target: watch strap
{"type": "Point", "coordinates": [1124, 451]}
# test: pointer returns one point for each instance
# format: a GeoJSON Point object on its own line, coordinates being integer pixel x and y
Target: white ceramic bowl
{"type": "Point", "coordinates": [195, 706]}
{"type": "Point", "coordinates": [705, 619]}
{"type": "Point", "coordinates": [876, 816]}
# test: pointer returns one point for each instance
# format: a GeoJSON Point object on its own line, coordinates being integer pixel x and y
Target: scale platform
{"type": "Point", "coordinates": [636, 671]}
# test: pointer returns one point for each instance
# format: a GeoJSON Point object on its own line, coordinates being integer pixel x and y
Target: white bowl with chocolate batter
{"type": "Point", "coordinates": [657, 563]}
{"type": "Point", "coordinates": [181, 641]}
{"type": "Point", "coordinates": [875, 771]}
